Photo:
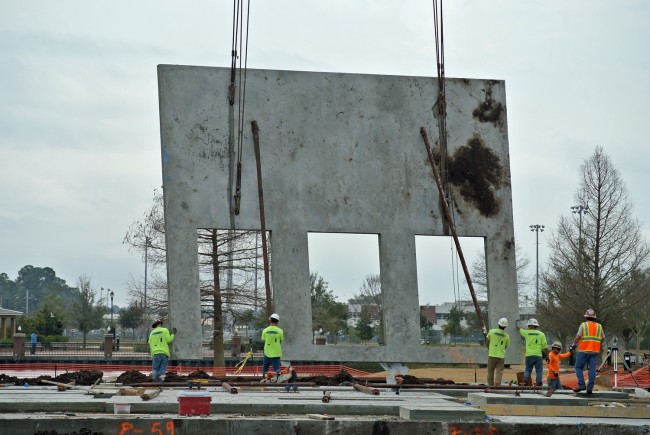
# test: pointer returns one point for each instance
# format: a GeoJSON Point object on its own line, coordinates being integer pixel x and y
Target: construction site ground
{"type": "Point", "coordinates": [270, 409]}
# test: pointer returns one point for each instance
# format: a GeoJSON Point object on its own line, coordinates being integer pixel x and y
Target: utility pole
{"type": "Point", "coordinates": [537, 229]}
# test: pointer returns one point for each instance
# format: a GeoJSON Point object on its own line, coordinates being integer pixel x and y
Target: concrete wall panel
{"type": "Point", "coordinates": [340, 153]}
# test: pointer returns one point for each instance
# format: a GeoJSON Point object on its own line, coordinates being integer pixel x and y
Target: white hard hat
{"type": "Point", "coordinates": [533, 322]}
{"type": "Point", "coordinates": [275, 316]}
{"type": "Point", "coordinates": [503, 322]}
{"type": "Point", "coordinates": [590, 314]}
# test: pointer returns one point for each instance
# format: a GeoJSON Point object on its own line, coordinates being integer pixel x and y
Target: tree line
{"type": "Point", "coordinates": [49, 305]}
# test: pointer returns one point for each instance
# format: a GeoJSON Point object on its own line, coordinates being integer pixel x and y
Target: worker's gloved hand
{"type": "Point", "coordinates": [572, 347]}
{"type": "Point", "coordinates": [174, 330]}
{"type": "Point", "coordinates": [556, 374]}
{"type": "Point", "coordinates": [546, 359]}
{"type": "Point", "coordinates": [484, 330]}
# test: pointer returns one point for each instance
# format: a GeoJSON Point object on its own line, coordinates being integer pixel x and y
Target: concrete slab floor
{"type": "Point", "coordinates": [36, 410]}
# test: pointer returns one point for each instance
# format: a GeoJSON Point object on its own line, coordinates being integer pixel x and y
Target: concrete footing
{"type": "Point", "coordinates": [524, 399]}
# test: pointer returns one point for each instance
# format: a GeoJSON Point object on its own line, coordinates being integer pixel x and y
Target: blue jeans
{"type": "Point", "coordinates": [536, 362]}
{"type": "Point", "coordinates": [159, 366]}
{"type": "Point", "coordinates": [274, 362]}
{"type": "Point", "coordinates": [583, 359]}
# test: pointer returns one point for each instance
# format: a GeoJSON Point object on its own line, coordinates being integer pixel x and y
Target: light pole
{"type": "Point", "coordinates": [537, 229]}
{"type": "Point", "coordinates": [112, 294]}
{"type": "Point", "coordinates": [147, 242]}
{"type": "Point", "coordinates": [581, 210]}
{"type": "Point", "coordinates": [112, 326]}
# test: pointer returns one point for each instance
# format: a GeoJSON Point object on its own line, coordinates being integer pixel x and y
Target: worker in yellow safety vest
{"type": "Point", "coordinates": [272, 337]}
{"type": "Point", "coordinates": [588, 340]}
{"type": "Point", "coordinates": [497, 341]}
{"type": "Point", "coordinates": [159, 341]}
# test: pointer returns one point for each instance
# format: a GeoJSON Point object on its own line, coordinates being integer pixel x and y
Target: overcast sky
{"type": "Point", "coordinates": [79, 130]}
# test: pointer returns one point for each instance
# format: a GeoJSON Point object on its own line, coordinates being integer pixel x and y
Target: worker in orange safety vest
{"type": "Point", "coordinates": [588, 339]}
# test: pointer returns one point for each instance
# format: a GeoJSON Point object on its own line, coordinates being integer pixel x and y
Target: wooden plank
{"type": "Point", "coordinates": [151, 395]}
{"type": "Point", "coordinates": [567, 411]}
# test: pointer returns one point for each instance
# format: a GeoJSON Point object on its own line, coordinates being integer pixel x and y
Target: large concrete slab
{"type": "Point", "coordinates": [524, 399]}
{"type": "Point", "coordinates": [340, 153]}
{"type": "Point", "coordinates": [440, 410]}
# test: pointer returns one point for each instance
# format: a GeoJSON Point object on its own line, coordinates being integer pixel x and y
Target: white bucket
{"type": "Point", "coordinates": [122, 408]}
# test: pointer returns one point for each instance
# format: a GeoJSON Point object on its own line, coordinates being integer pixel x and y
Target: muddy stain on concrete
{"type": "Point", "coordinates": [477, 173]}
{"type": "Point", "coordinates": [490, 110]}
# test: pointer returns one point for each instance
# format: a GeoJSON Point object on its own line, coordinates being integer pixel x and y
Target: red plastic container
{"type": "Point", "coordinates": [194, 404]}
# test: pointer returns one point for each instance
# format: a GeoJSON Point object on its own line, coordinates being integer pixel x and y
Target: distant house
{"type": "Point", "coordinates": [437, 315]}
{"type": "Point", "coordinates": [354, 313]}
{"type": "Point", "coordinates": [442, 312]}
{"type": "Point", "coordinates": [526, 312]}
{"type": "Point", "coordinates": [429, 313]}
{"type": "Point", "coordinates": [8, 322]}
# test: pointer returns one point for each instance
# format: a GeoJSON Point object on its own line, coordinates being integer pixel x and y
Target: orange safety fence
{"type": "Point", "coordinates": [641, 375]}
{"type": "Point", "coordinates": [53, 369]}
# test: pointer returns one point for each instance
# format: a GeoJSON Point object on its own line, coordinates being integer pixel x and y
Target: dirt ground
{"type": "Point", "coordinates": [461, 375]}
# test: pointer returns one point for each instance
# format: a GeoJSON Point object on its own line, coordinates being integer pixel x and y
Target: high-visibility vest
{"type": "Point", "coordinates": [592, 335]}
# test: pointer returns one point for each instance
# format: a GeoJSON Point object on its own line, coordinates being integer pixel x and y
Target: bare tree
{"type": "Point", "coordinates": [479, 276]}
{"type": "Point", "coordinates": [146, 237]}
{"type": "Point", "coordinates": [370, 294]}
{"type": "Point", "coordinates": [221, 253]}
{"type": "Point", "coordinates": [594, 259]}
{"type": "Point", "coordinates": [637, 317]}
{"type": "Point", "coordinates": [228, 252]}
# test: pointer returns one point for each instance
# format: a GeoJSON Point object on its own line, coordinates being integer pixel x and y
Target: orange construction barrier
{"type": "Point", "coordinates": [641, 375]}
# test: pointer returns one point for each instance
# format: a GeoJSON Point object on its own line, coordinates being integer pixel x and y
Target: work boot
{"type": "Point", "coordinates": [539, 384]}
{"type": "Point", "coordinates": [589, 392]}
{"type": "Point", "coordinates": [578, 389]}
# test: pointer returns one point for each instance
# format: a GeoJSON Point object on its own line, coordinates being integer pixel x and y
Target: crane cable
{"type": "Point", "coordinates": [237, 39]}
{"type": "Point", "coordinates": [442, 122]}
{"type": "Point", "coordinates": [442, 179]}
{"type": "Point", "coordinates": [441, 102]}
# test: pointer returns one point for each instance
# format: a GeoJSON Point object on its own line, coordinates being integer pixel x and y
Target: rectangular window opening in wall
{"type": "Point", "coordinates": [447, 313]}
{"type": "Point", "coordinates": [233, 290]}
{"type": "Point", "coordinates": [346, 294]}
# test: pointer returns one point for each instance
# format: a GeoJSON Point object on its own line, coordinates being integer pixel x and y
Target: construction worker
{"type": "Point", "coordinates": [588, 339]}
{"type": "Point", "coordinates": [272, 337]}
{"type": "Point", "coordinates": [497, 341]}
{"type": "Point", "coordinates": [535, 350]}
{"type": "Point", "coordinates": [159, 340]}
{"type": "Point", "coordinates": [553, 364]}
